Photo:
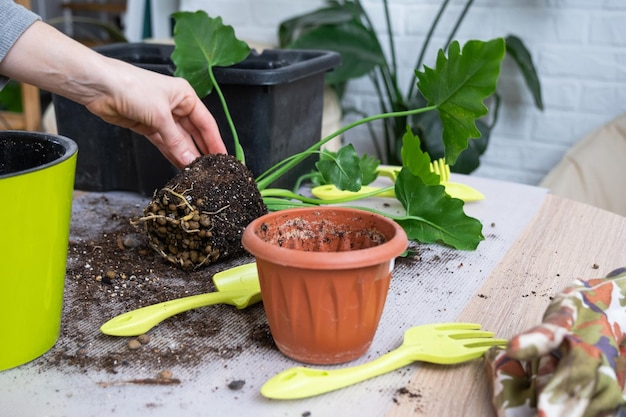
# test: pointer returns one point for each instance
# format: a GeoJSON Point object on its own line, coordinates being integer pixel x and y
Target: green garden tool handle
{"type": "Point", "coordinates": [454, 189]}
{"type": "Point", "coordinates": [301, 382]}
{"type": "Point", "coordinates": [330, 192]}
{"type": "Point", "coordinates": [136, 322]}
{"type": "Point", "coordinates": [463, 192]}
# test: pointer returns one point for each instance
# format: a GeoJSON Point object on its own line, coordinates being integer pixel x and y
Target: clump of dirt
{"type": "Point", "coordinates": [199, 216]}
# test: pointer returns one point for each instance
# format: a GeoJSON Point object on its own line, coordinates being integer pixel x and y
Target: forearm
{"type": "Point", "coordinates": [44, 57]}
{"type": "Point", "coordinates": [165, 109]}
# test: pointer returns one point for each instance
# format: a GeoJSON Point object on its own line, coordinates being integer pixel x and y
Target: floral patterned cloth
{"type": "Point", "coordinates": [574, 363]}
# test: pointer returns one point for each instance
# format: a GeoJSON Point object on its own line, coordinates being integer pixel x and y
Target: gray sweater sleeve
{"type": "Point", "coordinates": [14, 20]}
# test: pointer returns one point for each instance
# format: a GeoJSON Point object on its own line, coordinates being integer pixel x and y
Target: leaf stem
{"type": "Point", "coordinates": [268, 179]}
{"type": "Point", "coordinates": [239, 154]}
{"type": "Point", "coordinates": [459, 20]}
{"type": "Point", "coordinates": [392, 44]}
{"type": "Point", "coordinates": [429, 36]}
{"type": "Point", "coordinates": [283, 193]}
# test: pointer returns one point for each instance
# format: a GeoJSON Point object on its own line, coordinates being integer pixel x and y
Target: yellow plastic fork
{"type": "Point", "coordinates": [454, 189]}
{"type": "Point", "coordinates": [439, 167]}
{"type": "Point", "coordinates": [442, 169]}
{"type": "Point", "coordinates": [442, 343]}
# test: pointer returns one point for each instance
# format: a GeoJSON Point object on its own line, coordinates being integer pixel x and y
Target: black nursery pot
{"type": "Point", "coordinates": [275, 99]}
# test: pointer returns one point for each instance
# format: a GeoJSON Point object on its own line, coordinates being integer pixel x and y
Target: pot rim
{"type": "Point", "coordinates": [70, 148]}
{"type": "Point", "coordinates": [387, 251]}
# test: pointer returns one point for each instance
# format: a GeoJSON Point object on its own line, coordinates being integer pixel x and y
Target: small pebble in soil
{"type": "Point", "coordinates": [144, 339]}
{"type": "Point", "coordinates": [165, 374]}
{"type": "Point", "coordinates": [236, 385]}
{"type": "Point", "coordinates": [132, 240]}
{"type": "Point", "coordinates": [134, 344]}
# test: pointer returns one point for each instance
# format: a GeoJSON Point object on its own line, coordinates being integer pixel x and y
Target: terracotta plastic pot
{"type": "Point", "coordinates": [36, 184]}
{"type": "Point", "coordinates": [324, 274]}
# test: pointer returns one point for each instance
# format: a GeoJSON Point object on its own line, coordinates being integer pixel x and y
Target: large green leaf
{"type": "Point", "coordinates": [520, 54]}
{"type": "Point", "coordinates": [458, 86]}
{"type": "Point", "coordinates": [358, 47]}
{"type": "Point", "coordinates": [342, 27]}
{"type": "Point", "coordinates": [342, 169]}
{"type": "Point", "coordinates": [203, 42]}
{"type": "Point", "coordinates": [429, 128]}
{"type": "Point", "coordinates": [416, 160]}
{"type": "Point", "coordinates": [433, 216]}
{"type": "Point", "coordinates": [332, 168]}
{"type": "Point", "coordinates": [290, 29]}
{"type": "Point", "coordinates": [368, 165]}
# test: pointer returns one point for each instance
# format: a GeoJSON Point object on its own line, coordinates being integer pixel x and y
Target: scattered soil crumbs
{"type": "Point", "coordinates": [404, 394]}
{"type": "Point", "coordinates": [111, 269]}
{"type": "Point", "coordinates": [236, 385]}
{"type": "Point", "coordinates": [163, 378]}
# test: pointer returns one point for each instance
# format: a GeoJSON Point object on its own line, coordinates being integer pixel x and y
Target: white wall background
{"type": "Point", "coordinates": [579, 49]}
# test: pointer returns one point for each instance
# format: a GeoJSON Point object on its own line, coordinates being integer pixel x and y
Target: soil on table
{"type": "Point", "coordinates": [112, 269]}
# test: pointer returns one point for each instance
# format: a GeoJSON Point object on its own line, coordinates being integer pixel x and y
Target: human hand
{"type": "Point", "coordinates": [574, 363]}
{"type": "Point", "coordinates": [164, 109]}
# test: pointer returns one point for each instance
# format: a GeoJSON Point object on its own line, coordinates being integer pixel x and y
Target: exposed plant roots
{"type": "Point", "coordinates": [199, 216]}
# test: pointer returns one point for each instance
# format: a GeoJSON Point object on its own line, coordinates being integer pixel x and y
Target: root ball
{"type": "Point", "coordinates": [199, 216]}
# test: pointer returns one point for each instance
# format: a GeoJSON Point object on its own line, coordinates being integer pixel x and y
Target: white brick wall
{"type": "Point", "coordinates": [579, 49]}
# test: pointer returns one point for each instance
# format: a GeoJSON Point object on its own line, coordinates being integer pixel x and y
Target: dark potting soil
{"type": "Point", "coordinates": [116, 272]}
{"type": "Point", "coordinates": [113, 269]}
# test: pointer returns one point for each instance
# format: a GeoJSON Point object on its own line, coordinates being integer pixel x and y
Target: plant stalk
{"type": "Point", "coordinates": [275, 172]}
{"type": "Point", "coordinates": [458, 23]}
{"type": "Point", "coordinates": [429, 36]}
{"type": "Point", "coordinates": [239, 154]}
{"type": "Point", "coordinates": [280, 192]}
{"type": "Point", "coordinates": [392, 46]}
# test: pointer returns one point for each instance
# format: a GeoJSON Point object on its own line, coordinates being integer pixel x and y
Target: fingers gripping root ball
{"type": "Point", "coordinates": [199, 216]}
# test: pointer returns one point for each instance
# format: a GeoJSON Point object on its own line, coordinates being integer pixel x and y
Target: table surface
{"type": "Point", "coordinates": [565, 240]}
{"type": "Point", "coordinates": [535, 245]}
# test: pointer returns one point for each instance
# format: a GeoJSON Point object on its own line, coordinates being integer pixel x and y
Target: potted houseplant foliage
{"type": "Point", "coordinates": [199, 217]}
{"type": "Point", "coordinates": [344, 26]}
{"type": "Point", "coordinates": [455, 89]}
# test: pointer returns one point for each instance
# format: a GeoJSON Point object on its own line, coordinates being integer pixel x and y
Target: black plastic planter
{"type": "Point", "coordinates": [275, 99]}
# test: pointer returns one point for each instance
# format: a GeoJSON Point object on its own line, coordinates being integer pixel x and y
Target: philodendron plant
{"type": "Point", "coordinates": [456, 88]}
{"type": "Point", "coordinates": [345, 26]}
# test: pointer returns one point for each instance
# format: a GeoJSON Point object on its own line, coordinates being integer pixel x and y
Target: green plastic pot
{"type": "Point", "coordinates": [36, 183]}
